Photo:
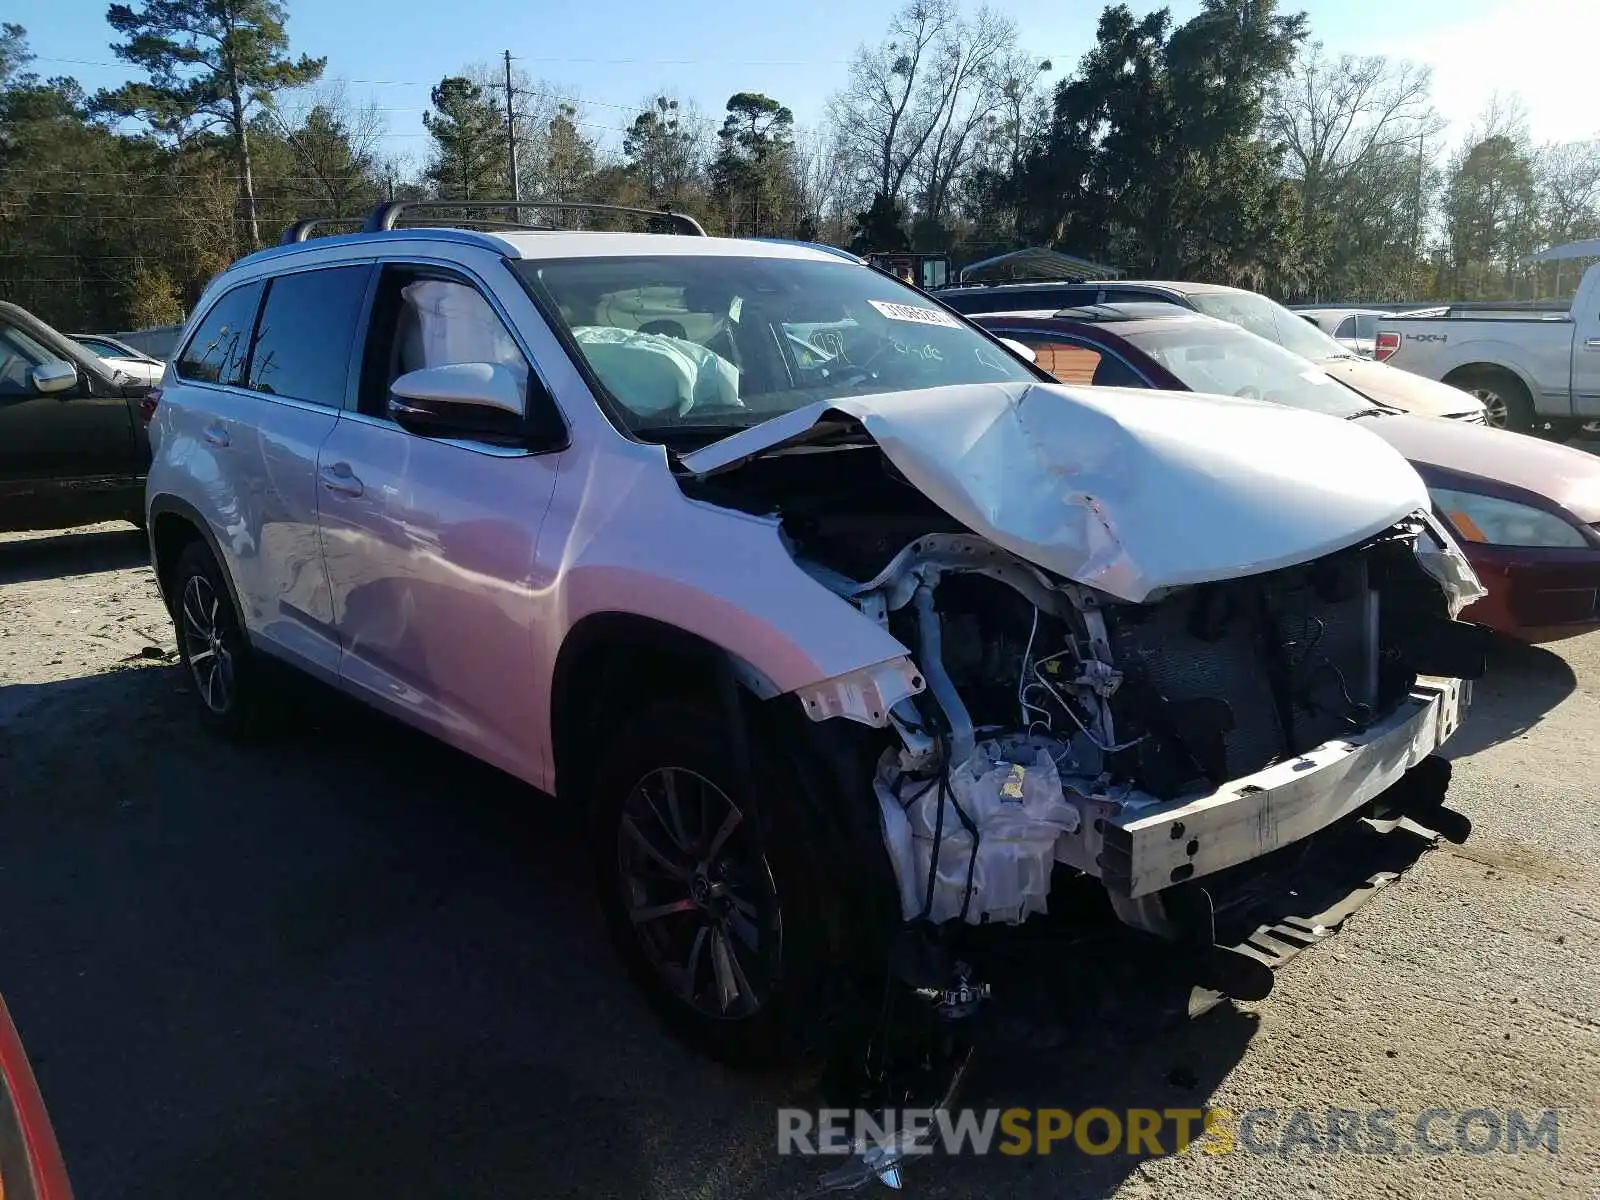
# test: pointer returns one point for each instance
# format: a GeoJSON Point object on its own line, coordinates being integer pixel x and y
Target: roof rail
{"type": "Point", "coordinates": [301, 230]}
{"type": "Point", "coordinates": [383, 216]}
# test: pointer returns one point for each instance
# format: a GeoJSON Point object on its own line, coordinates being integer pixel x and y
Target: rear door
{"type": "Point", "coordinates": [430, 542]}
{"type": "Point", "coordinates": [260, 395]}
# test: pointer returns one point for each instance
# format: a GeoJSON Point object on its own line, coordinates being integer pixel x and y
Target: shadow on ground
{"type": "Point", "coordinates": [26, 560]}
{"type": "Point", "coordinates": [351, 962]}
{"type": "Point", "coordinates": [1521, 685]}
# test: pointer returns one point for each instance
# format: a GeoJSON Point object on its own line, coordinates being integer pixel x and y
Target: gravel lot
{"type": "Point", "coordinates": [353, 963]}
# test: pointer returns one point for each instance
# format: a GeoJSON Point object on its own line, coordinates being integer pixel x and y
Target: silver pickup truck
{"type": "Point", "coordinates": [1538, 374]}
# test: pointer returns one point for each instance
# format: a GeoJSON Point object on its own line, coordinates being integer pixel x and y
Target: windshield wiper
{"type": "Point", "coordinates": [1370, 412]}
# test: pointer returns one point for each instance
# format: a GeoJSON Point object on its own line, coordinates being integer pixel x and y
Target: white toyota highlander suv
{"type": "Point", "coordinates": [842, 623]}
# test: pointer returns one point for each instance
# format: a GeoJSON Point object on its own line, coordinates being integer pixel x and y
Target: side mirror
{"type": "Point", "coordinates": [480, 401]}
{"type": "Point", "coordinates": [1021, 351]}
{"type": "Point", "coordinates": [53, 377]}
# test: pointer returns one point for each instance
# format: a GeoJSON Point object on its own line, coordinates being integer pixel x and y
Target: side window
{"type": "Point", "coordinates": [423, 319]}
{"type": "Point", "coordinates": [1067, 361]}
{"type": "Point", "coordinates": [19, 354]}
{"type": "Point", "coordinates": [220, 345]}
{"type": "Point", "coordinates": [1367, 325]}
{"type": "Point", "coordinates": [1113, 372]}
{"type": "Point", "coordinates": [1078, 363]}
{"type": "Point", "coordinates": [1346, 328]}
{"type": "Point", "coordinates": [306, 333]}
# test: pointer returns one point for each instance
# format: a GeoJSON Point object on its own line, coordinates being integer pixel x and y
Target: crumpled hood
{"type": "Point", "coordinates": [1571, 478]}
{"type": "Point", "coordinates": [1415, 394]}
{"type": "Point", "coordinates": [1128, 491]}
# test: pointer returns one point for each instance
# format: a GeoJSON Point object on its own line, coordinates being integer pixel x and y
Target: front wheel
{"type": "Point", "coordinates": [714, 896]}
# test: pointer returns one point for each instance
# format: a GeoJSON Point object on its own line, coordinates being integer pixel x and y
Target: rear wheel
{"type": "Point", "coordinates": [1506, 403]}
{"type": "Point", "coordinates": [714, 896]}
{"type": "Point", "coordinates": [235, 697]}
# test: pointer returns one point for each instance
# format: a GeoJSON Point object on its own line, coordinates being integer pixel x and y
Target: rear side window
{"type": "Point", "coordinates": [1347, 328]}
{"type": "Point", "coordinates": [306, 334]}
{"type": "Point", "coordinates": [1078, 363]}
{"type": "Point", "coordinates": [1367, 325]}
{"type": "Point", "coordinates": [221, 343]}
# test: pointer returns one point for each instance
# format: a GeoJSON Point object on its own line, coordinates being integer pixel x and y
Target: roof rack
{"type": "Point", "coordinates": [383, 216]}
{"type": "Point", "coordinates": [301, 230]}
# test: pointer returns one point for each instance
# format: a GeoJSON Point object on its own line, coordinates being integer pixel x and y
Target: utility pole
{"type": "Point", "coordinates": [511, 137]}
{"type": "Point", "coordinates": [1416, 211]}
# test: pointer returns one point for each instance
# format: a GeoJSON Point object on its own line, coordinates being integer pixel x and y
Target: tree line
{"type": "Point", "coordinates": [1230, 147]}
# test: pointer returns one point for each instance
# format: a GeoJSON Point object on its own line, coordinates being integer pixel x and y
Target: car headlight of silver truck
{"type": "Point", "coordinates": [1492, 521]}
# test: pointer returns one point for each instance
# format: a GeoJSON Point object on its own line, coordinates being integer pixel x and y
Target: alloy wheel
{"type": "Point", "coordinates": [699, 893]}
{"type": "Point", "coordinates": [210, 661]}
{"type": "Point", "coordinates": [1495, 413]}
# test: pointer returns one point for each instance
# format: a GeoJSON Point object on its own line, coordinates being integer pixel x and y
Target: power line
{"type": "Point", "coordinates": [433, 82]}
{"type": "Point", "coordinates": [577, 60]}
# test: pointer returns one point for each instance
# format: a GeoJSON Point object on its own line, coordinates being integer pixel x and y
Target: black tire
{"type": "Point", "coordinates": [773, 843]}
{"type": "Point", "coordinates": [236, 696]}
{"type": "Point", "coordinates": [1506, 402]}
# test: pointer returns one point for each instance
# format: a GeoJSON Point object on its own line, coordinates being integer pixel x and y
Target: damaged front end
{"type": "Point", "coordinates": [1149, 639]}
{"type": "Point", "coordinates": [1163, 714]}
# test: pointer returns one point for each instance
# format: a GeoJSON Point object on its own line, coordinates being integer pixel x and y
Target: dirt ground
{"type": "Point", "coordinates": [351, 962]}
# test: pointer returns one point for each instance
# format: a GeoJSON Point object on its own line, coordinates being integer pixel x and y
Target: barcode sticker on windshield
{"type": "Point", "coordinates": [915, 313]}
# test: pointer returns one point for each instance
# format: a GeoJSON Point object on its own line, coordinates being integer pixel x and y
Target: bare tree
{"type": "Point", "coordinates": [1568, 178]}
{"type": "Point", "coordinates": [1360, 138]}
{"type": "Point", "coordinates": [336, 141]}
{"type": "Point", "coordinates": [1333, 115]}
{"type": "Point", "coordinates": [877, 113]}
{"type": "Point", "coordinates": [959, 102]}
{"type": "Point", "coordinates": [822, 184]}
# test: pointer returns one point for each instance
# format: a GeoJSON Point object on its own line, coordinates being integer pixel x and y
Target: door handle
{"type": "Point", "coordinates": [340, 480]}
{"type": "Point", "coordinates": [215, 435]}
{"type": "Point", "coordinates": [1592, 344]}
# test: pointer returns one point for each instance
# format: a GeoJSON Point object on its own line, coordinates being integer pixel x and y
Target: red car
{"type": "Point", "coordinates": [30, 1161]}
{"type": "Point", "coordinates": [1525, 511]}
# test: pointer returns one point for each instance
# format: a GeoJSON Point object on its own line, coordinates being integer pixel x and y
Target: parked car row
{"type": "Point", "coordinates": [1260, 315]}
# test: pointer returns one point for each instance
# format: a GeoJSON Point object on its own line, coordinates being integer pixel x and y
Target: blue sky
{"type": "Point", "coordinates": [612, 55]}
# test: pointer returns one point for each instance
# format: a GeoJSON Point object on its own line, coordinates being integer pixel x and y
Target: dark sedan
{"type": "Point", "coordinates": [1526, 511]}
{"type": "Point", "coordinates": [73, 447]}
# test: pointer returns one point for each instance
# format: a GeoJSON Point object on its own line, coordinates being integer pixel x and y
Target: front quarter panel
{"type": "Point", "coordinates": [621, 537]}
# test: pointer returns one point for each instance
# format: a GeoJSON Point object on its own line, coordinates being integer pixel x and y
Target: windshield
{"type": "Point", "coordinates": [102, 350]}
{"type": "Point", "coordinates": [686, 344]}
{"type": "Point", "coordinates": [1229, 361]}
{"type": "Point", "coordinates": [1271, 320]}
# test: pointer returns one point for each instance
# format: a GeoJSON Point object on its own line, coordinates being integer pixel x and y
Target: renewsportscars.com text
{"type": "Point", "coordinates": [1152, 1131]}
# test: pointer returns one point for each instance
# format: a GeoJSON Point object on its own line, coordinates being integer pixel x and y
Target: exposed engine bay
{"type": "Point", "coordinates": [1053, 713]}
